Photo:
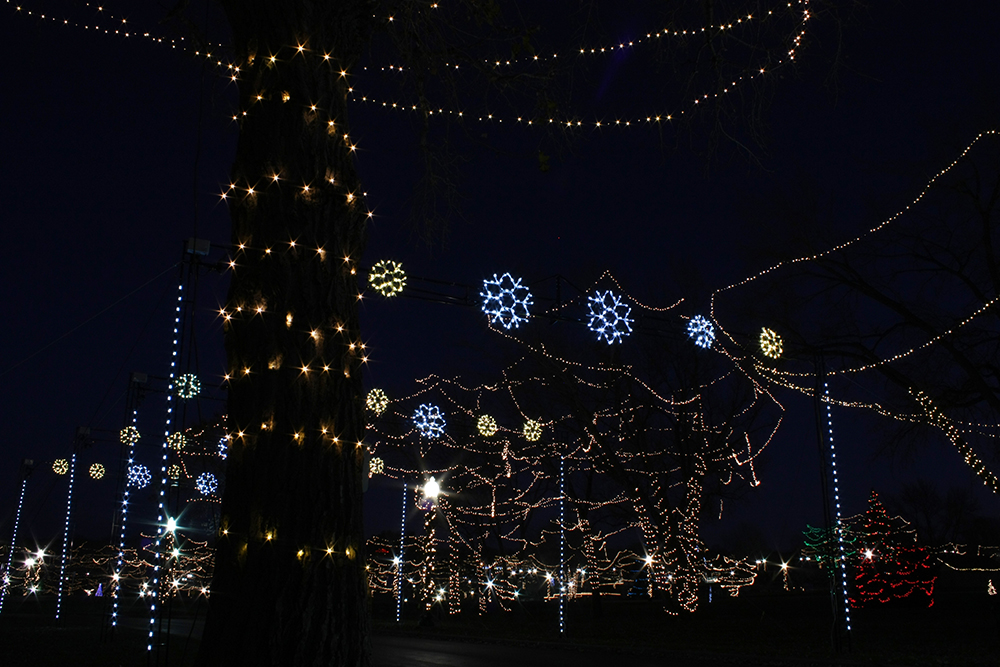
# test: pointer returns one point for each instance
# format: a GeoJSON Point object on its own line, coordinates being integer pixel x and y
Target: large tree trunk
{"type": "Point", "coordinates": [289, 586]}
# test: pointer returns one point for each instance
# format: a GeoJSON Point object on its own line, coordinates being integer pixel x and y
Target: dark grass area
{"type": "Point", "coordinates": [962, 628]}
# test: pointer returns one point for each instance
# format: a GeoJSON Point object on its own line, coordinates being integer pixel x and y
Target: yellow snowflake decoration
{"type": "Point", "coordinates": [377, 401]}
{"type": "Point", "coordinates": [770, 343]}
{"type": "Point", "coordinates": [97, 471]}
{"type": "Point", "coordinates": [487, 425]}
{"type": "Point", "coordinates": [376, 466]}
{"type": "Point", "coordinates": [60, 466]}
{"type": "Point", "coordinates": [174, 471]}
{"type": "Point", "coordinates": [129, 435]}
{"type": "Point", "coordinates": [176, 441]}
{"type": "Point", "coordinates": [387, 278]}
{"type": "Point", "coordinates": [532, 430]}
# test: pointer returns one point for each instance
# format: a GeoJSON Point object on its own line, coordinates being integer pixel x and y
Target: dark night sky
{"type": "Point", "coordinates": [101, 138]}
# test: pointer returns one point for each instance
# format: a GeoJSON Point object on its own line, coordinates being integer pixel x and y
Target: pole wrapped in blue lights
{"type": "Point", "coordinates": [26, 467]}
{"type": "Point", "coordinates": [65, 546]}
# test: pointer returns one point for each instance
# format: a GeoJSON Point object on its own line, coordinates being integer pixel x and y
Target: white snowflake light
{"type": "Point", "coordinates": [138, 476]}
{"type": "Point", "coordinates": [60, 466]}
{"type": "Point", "coordinates": [223, 449]}
{"type": "Point", "coordinates": [129, 435]}
{"type": "Point", "coordinates": [376, 466]}
{"type": "Point", "coordinates": [532, 430]}
{"type": "Point", "coordinates": [377, 401]}
{"type": "Point", "coordinates": [609, 317]}
{"type": "Point", "coordinates": [188, 386]}
{"type": "Point", "coordinates": [177, 441]}
{"type": "Point", "coordinates": [770, 343]}
{"type": "Point", "coordinates": [206, 484]}
{"type": "Point", "coordinates": [387, 278]}
{"type": "Point", "coordinates": [97, 471]}
{"type": "Point", "coordinates": [702, 331]}
{"type": "Point", "coordinates": [487, 425]}
{"type": "Point", "coordinates": [429, 420]}
{"type": "Point", "coordinates": [507, 300]}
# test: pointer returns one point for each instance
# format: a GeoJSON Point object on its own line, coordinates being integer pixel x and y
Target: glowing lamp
{"type": "Point", "coordinates": [432, 489]}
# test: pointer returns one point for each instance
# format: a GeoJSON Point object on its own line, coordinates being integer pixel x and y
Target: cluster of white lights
{"type": "Point", "coordinates": [129, 435]}
{"type": "Point", "coordinates": [188, 386]}
{"type": "Point", "coordinates": [532, 430]}
{"type": "Point", "coordinates": [701, 331]}
{"type": "Point", "coordinates": [177, 441]}
{"type": "Point", "coordinates": [506, 300]}
{"type": "Point", "coordinates": [174, 471]}
{"type": "Point", "coordinates": [770, 343]}
{"type": "Point", "coordinates": [223, 448]}
{"type": "Point", "coordinates": [377, 401]}
{"type": "Point", "coordinates": [138, 476]}
{"type": "Point", "coordinates": [206, 484]}
{"type": "Point", "coordinates": [387, 278]}
{"type": "Point", "coordinates": [97, 471]}
{"type": "Point", "coordinates": [60, 466]}
{"type": "Point", "coordinates": [429, 420]}
{"type": "Point", "coordinates": [487, 426]}
{"type": "Point", "coordinates": [376, 466]}
{"type": "Point", "coordinates": [609, 317]}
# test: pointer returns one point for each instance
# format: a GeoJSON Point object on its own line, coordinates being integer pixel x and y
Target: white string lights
{"type": "Point", "coordinates": [609, 317]}
{"type": "Point", "coordinates": [506, 300]}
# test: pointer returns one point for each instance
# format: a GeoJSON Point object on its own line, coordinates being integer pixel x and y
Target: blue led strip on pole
{"type": "Point", "coordinates": [836, 497]}
{"type": "Point", "coordinates": [65, 548]}
{"type": "Point", "coordinates": [399, 560]}
{"type": "Point", "coordinates": [13, 542]}
{"type": "Point", "coordinates": [562, 544]}
{"type": "Point", "coordinates": [162, 519]}
{"type": "Point", "coordinates": [116, 583]}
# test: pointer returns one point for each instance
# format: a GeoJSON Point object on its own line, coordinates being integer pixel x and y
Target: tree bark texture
{"type": "Point", "coordinates": [290, 585]}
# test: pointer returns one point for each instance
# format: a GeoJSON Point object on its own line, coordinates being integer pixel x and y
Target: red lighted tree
{"type": "Point", "coordinates": [891, 565]}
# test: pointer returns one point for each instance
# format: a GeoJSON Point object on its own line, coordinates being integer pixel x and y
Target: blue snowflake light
{"type": "Point", "coordinates": [506, 300]}
{"type": "Point", "coordinates": [224, 447]}
{"type": "Point", "coordinates": [429, 420]}
{"type": "Point", "coordinates": [139, 476]}
{"type": "Point", "coordinates": [609, 317]}
{"type": "Point", "coordinates": [206, 483]}
{"type": "Point", "coordinates": [702, 331]}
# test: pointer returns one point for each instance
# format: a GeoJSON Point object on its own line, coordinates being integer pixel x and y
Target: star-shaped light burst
{"type": "Point", "coordinates": [487, 425]}
{"type": "Point", "coordinates": [97, 471]}
{"type": "Point", "coordinates": [387, 278]}
{"type": "Point", "coordinates": [188, 386]}
{"type": "Point", "coordinates": [702, 331]}
{"type": "Point", "coordinates": [377, 401]}
{"type": "Point", "coordinates": [506, 300]}
{"type": "Point", "coordinates": [60, 466]}
{"type": "Point", "coordinates": [609, 317]}
{"type": "Point", "coordinates": [138, 476]}
{"type": "Point", "coordinates": [429, 420]}
{"type": "Point", "coordinates": [770, 343]}
{"type": "Point", "coordinates": [206, 484]}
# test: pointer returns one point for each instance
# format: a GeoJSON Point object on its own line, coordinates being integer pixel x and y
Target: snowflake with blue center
{"type": "Point", "coordinates": [429, 420]}
{"type": "Point", "coordinates": [139, 476]}
{"type": "Point", "coordinates": [609, 317]}
{"type": "Point", "coordinates": [506, 300]}
{"type": "Point", "coordinates": [206, 484]}
{"type": "Point", "coordinates": [702, 331]}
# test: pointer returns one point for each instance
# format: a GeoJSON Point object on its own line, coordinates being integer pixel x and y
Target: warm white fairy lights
{"type": "Point", "coordinates": [177, 441]}
{"type": "Point", "coordinates": [60, 466]}
{"type": "Point", "coordinates": [174, 471]}
{"type": "Point", "coordinates": [206, 484]}
{"type": "Point", "coordinates": [387, 278]}
{"type": "Point", "coordinates": [377, 401]}
{"type": "Point", "coordinates": [188, 386]}
{"type": "Point", "coordinates": [429, 421]}
{"type": "Point", "coordinates": [770, 343]}
{"type": "Point", "coordinates": [532, 430]}
{"type": "Point", "coordinates": [701, 331]}
{"type": "Point", "coordinates": [376, 466]}
{"type": "Point", "coordinates": [96, 471]}
{"type": "Point", "coordinates": [506, 300]}
{"type": "Point", "coordinates": [129, 435]}
{"type": "Point", "coordinates": [609, 317]}
{"type": "Point", "coordinates": [487, 426]}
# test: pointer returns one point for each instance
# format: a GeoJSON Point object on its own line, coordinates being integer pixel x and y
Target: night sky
{"type": "Point", "coordinates": [115, 151]}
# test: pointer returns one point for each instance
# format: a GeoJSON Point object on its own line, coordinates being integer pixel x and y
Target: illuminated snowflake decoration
{"type": "Point", "coordinates": [507, 300]}
{"type": "Point", "coordinates": [387, 278]}
{"type": "Point", "coordinates": [138, 476]}
{"type": "Point", "coordinates": [532, 430]}
{"type": "Point", "coordinates": [129, 435]}
{"type": "Point", "coordinates": [188, 386]}
{"type": "Point", "coordinates": [206, 484]}
{"type": "Point", "coordinates": [174, 471]}
{"type": "Point", "coordinates": [176, 441]}
{"type": "Point", "coordinates": [377, 401]}
{"type": "Point", "coordinates": [429, 420]}
{"type": "Point", "coordinates": [97, 471]}
{"type": "Point", "coordinates": [223, 449]}
{"type": "Point", "coordinates": [702, 331]}
{"type": "Point", "coordinates": [487, 425]}
{"type": "Point", "coordinates": [376, 466]}
{"type": "Point", "coordinates": [770, 343]}
{"type": "Point", "coordinates": [60, 466]}
{"type": "Point", "coordinates": [609, 317]}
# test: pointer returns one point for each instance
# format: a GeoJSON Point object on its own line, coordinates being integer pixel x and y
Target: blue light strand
{"type": "Point", "coordinates": [13, 540]}
{"type": "Point", "coordinates": [562, 544]}
{"type": "Point", "coordinates": [116, 577]}
{"type": "Point", "coordinates": [161, 518]}
{"type": "Point", "coordinates": [836, 496]}
{"type": "Point", "coordinates": [399, 560]}
{"type": "Point", "coordinates": [65, 546]}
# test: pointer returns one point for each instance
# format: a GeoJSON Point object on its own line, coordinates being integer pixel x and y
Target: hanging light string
{"type": "Point", "coordinates": [5, 584]}
{"type": "Point", "coordinates": [65, 549]}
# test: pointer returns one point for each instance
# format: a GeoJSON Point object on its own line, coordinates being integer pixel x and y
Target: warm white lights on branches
{"type": "Point", "coordinates": [188, 386]}
{"type": "Point", "coordinates": [138, 476]}
{"type": "Point", "coordinates": [487, 425]}
{"type": "Point", "coordinates": [429, 420]}
{"type": "Point", "coordinates": [609, 317]}
{"type": "Point", "coordinates": [701, 331]}
{"type": "Point", "coordinates": [60, 466]}
{"type": "Point", "coordinates": [377, 401]}
{"type": "Point", "coordinates": [387, 278]}
{"type": "Point", "coordinates": [506, 300]}
{"type": "Point", "coordinates": [770, 343]}
{"type": "Point", "coordinates": [206, 484]}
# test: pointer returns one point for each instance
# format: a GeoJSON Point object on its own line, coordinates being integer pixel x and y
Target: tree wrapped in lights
{"type": "Point", "coordinates": [890, 564]}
